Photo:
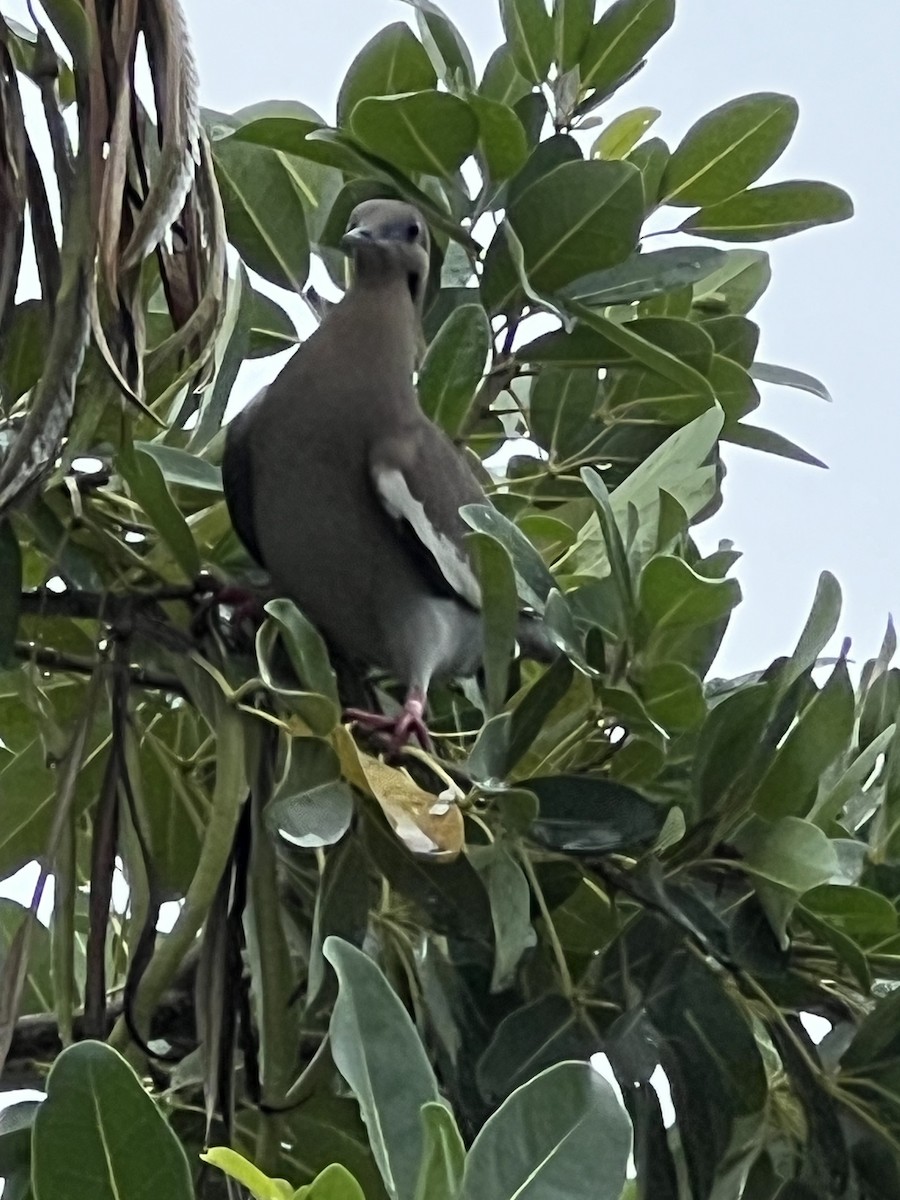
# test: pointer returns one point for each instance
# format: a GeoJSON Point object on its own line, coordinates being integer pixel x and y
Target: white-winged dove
{"type": "Point", "coordinates": [340, 486]}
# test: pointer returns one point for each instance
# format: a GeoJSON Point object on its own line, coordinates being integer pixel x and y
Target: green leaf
{"type": "Point", "coordinates": [377, 1050]}
{"type": "Point", "coordinates": [777, 210]}
{"type": "Point", "coordinates": [794, 854]}
{"type": "Point", "coordinates": [562, 1134]}
{"type": "Point", "coordinates": [317, 701]}
{"type": "Point", "coordinates": [264, 213]}
{"type": "Point", "coordinates": [572, 23]}
{"type": "Point", "coordinates": [37, 993]}
{"type": "Point", "coordinates": [644, 351]}
{"type": "Point", "coordinates": [510, 897]}
{"type": "Point", "coordinates": [734, 337]}
{"type": "Point", "coordinates": [821, 734]}
{"type": "Point", "coordinates": [817, 632]}
{"type": "Point", "coordinates": [644, 275]}
{"type": "Point", "coordinates": [729, 148]}
{"type": "Point", "coordinates": [499, 612]}
{"type": "Point", "coordinates": [621, 136]}
{"type": "Point", "coordinates": [334, 1183]}
{"type": "Point", "coordinates": [680, 467]}
{"type": "Point", "coordinates": [769, 442]}
{"type": "Point", "coordinates": [620, 568]}
{"type": "Point", "coordinates": [148, 487]}
{"type": "Point", "coordinates": [620, 40]}
{"type": "Point", "coordinates": [727, 741]}
{"type": "Point", "coordinates": [579, 815]}
{"type": "Point", "coordinates": [533, 580]}
{"type": "Point", "coordinates": [25, 337]}
{"type": "Point", "coordinates": [734, 388]}
{"type": "Point", "coordinates": [10, 591]}
{"type": "Point", "coordinates": [560, 408]}
{"type": "Point", "coordinates": [536, 1036]}
{"type": "Point", "coordinates": [581, 216]}
{"type": "Point", "coordinates": [312, 805]}
{"type": "Point", "coordinates": [501, 80]}
{"type": "Point", "coordinates": [182, 467]}
{"type": "Point", "coordinates": [529, 33]}
{"type": "Point", "coordinates": [670, 594]}
{"type": "Point", "coordinates": [788, 377]}
{"type": "Point", "coordinates": [393, 62]}
{"type": "Point", "coordinates": [856, 911]}
{"type": "Point", "coordinates": [501, 137]}
{"type": "Point", "coordinates": [651, 158]}
{"type": "Point", "coordinates": [738, 284]}
{"type": "Point", "coordinates": [444, 1156]}
{"type": "Point", "coordinates": [673, 696]}
{"type": "Point", "coordinates": [98, 1115]}
{"type": "Point", "coordinates": [271, 329]}
{"type": "Point", "coordinates": [260, 1186]}
{"type": "Point", "coordinates": [426, 131]}
{"type": "Point", "coordinates": [453, 366]}
{"type": "Point", "coordinates": [445, 45]}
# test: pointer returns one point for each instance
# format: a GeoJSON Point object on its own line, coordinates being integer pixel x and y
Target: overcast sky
{"type": "Point", "coordinates": [830, 308]}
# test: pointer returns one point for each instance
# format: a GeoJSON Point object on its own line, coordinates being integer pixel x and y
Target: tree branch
{"type": "Point", "coordinates": [56, 660]}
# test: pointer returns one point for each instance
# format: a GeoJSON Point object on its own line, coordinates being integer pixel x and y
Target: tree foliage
{"type": "Point", "coordinates": [615, 853]}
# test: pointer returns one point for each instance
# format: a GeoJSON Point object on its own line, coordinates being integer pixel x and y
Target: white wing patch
{"type": "Point", "coordinates": [402, 504]}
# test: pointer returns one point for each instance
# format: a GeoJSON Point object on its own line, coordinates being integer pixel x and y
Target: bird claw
{"type": "Point", "coordinates": [401, 729]}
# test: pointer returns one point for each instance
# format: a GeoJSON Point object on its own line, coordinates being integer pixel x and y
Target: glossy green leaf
{"type": "Point", "coordinates": [147, 485]}
{"type": "Point", "coordinates": [673, 696]}
{"type": "Point", "coordinates": [97, 1114]}
{"type": "Point", "coordinates": [562, 1134]}
{"type": "Point", "coordinates": [769, 442]}
{"type": "Point", "coordinates": [334, 1183]}
{"type": "Point", "coordinates": [734, 337]}
{"type": "Point", "coordinates": [737, 285]}
{"type": "Point", "coordinates": [312, 805]}
{"type": "Point", "coordinates": [444, 1156]}
{"type": "Point", "coordinates": [621, 136]}
{"type": "Point", "coordinates": [377, 1050]}
{"type": "Point", "coordinates": [788, 377]}
{"type": "Point", "coordinates": [644, 275]}
{"type": "Point", "coordinates": [510, 899]}
{"type": "Point", "coordinates": [818, 630]}
{"type": "Point", "coordinates": [582, 215]}
{"type": "Point", "coordinates": [392, 62]}
{"type": "Point", "coordinates": [499, 613]}
{"type": "Point", "coordinates": [260, 1186]}
{"type": "Point", "coordinates": [533, 580]}
{"type": "Point", "coordinates": [592, 816]}
{"type": "Point", "coordinates": [670, 593]}
{"type": "Point", "coordinates": [774, 211]}
{"type": "Point", "coordinates": [626, 31]}
{"type": "Point", "coordinates": [428, 131]}
{"type": "Point", "coordinates": [316, 699]}
{"type": "Point", "coordinates": [821, 734]}
{"type": "Point", "coordinates": [453, 367]}
{"type": "Point", "coordinates": [529, 34]}
{"type": "Point", "coordinates": [791, 853]}
{"type": "Point", "coordinates": [651, 158]}
{"type": "Point", "coordinates": [501, 137]}
{"type": "Point", "coordinates": [182, 467]}
{"type": "Point", "coordinates": [445, 45]}
{"type": "Point", "coordinates": [572, 23]}
{"type": "Point", "coordinates": [729, 148]}
{"type": "Point", "coordinates": [264, 213]}
{"type": "Point", "coordinates": [502, 80]}
{"type": "Point", "coordinates": [532, 1038]}
{"type": "Point", "coordinates": [679, 466]}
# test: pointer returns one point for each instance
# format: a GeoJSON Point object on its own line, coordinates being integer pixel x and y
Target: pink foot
{"type": "Point", "coordinates": [408, 724]}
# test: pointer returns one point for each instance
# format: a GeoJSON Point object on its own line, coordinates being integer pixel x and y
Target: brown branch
{"type": "Point", "coordinates": [56, 660]}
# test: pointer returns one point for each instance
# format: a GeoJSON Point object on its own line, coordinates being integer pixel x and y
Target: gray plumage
{"type": "Point", "coordinates": [340, 486]}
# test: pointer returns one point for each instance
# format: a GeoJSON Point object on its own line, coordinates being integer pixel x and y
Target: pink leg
{"type": "Point", "coordinates": [401, 729]}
